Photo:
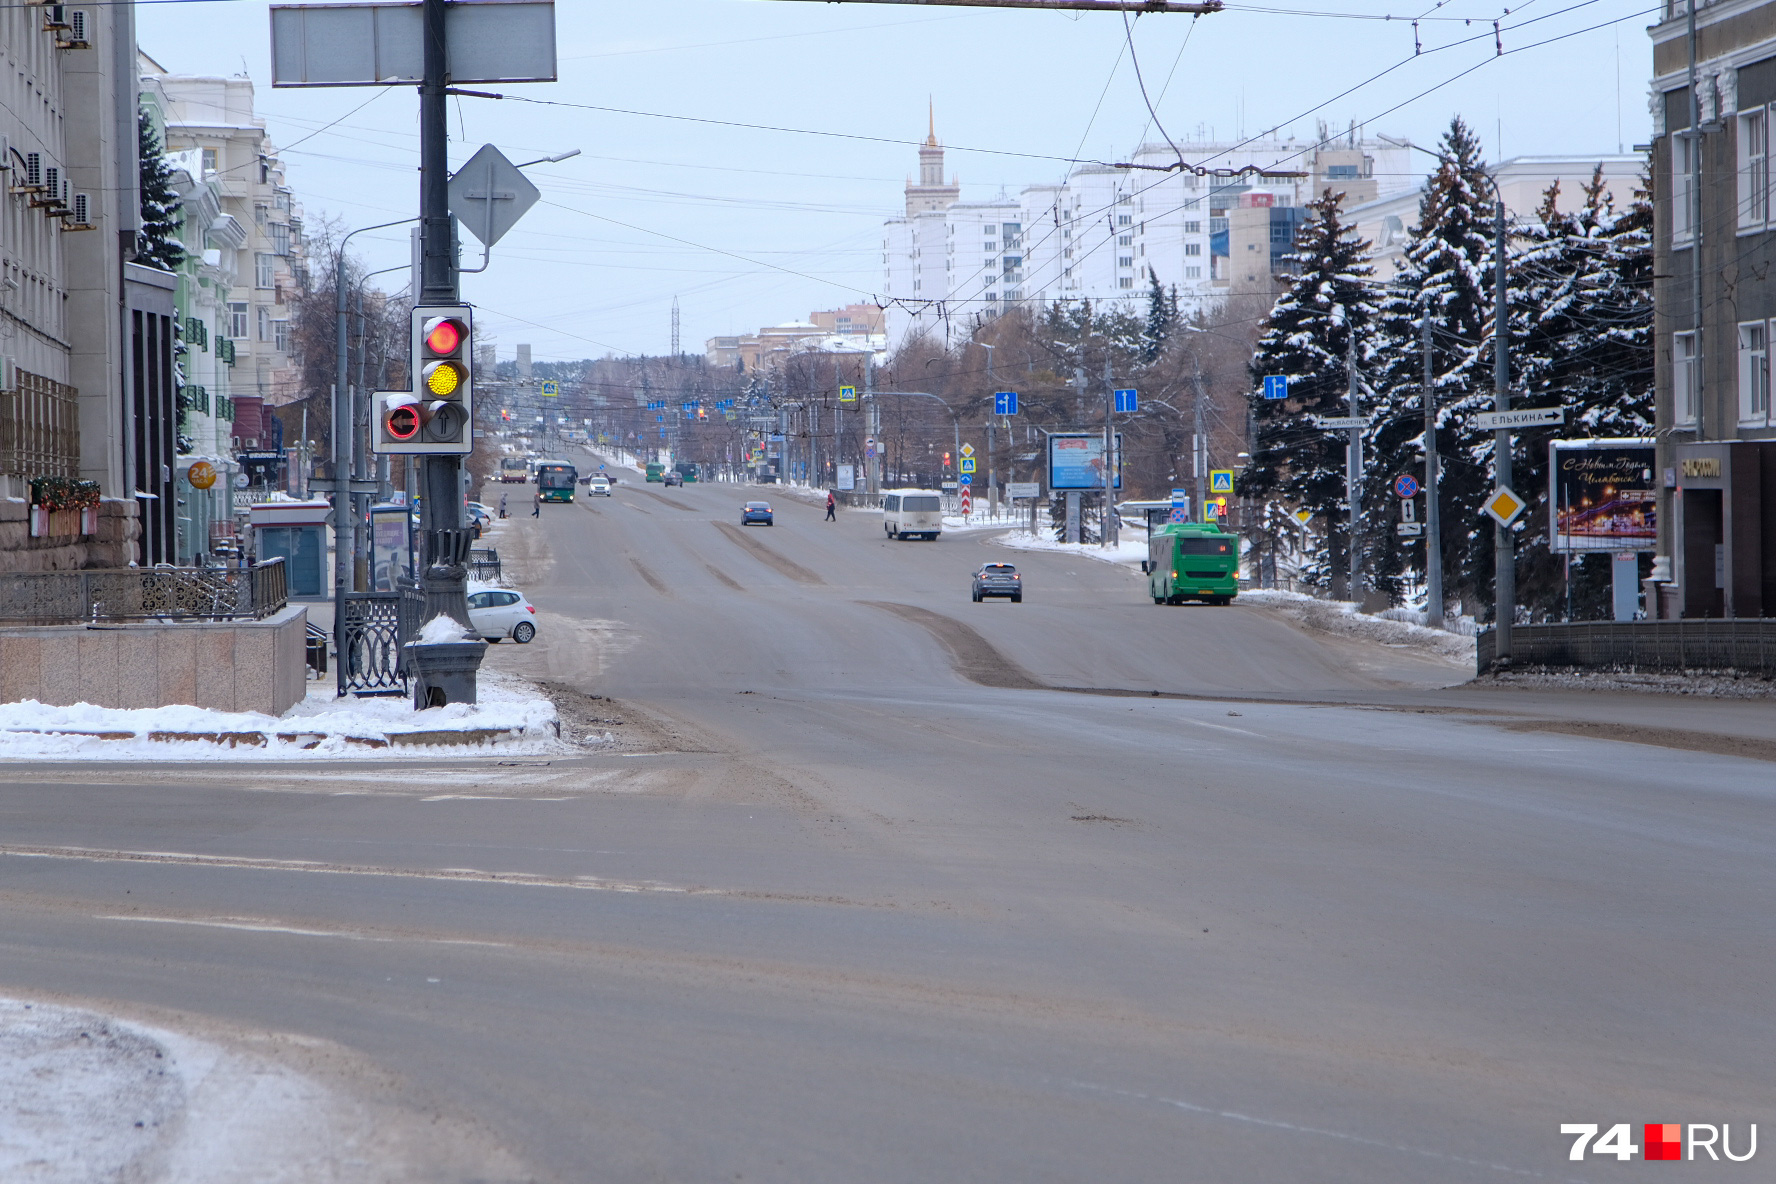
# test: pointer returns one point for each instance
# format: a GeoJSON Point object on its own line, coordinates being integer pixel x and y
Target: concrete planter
{"type": "Point", "coordinates": [443, 672]}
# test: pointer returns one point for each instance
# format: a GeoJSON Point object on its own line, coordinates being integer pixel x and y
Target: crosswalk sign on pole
{"type": "Point", "coordinates": [1220, 480]}
{"type": "Point", "coordinates": [847, 394]}
{"type": "Point", "coordinates": [551, 389]}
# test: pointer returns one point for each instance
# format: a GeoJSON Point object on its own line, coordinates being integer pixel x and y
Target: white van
{"type": "Point", "coordinates": [909, 512]}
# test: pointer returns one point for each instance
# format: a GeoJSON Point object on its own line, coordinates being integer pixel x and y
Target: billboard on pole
{"type": "Point", "coordinates": [1602, 495]}
{"type": "Point", "coordinates": [1076, 460]}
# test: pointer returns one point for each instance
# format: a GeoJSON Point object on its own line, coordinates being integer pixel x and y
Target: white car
{"type": "Point", "coordinates": [501, 612]}
{"type": "Point", "coordinates": [599, 485]}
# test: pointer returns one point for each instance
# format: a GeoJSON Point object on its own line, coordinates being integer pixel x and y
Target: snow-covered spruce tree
{"type": "Point", "coordinates": [1162, 318]}
{"type": "Point", "coordinates": [1581, 339]}
{"type": "Point", "coordinates": [1447, 276]}
{"type": "Point", "coordinates": [1307, 338]}
{"type": "Point", "coordinates": [157, 244]}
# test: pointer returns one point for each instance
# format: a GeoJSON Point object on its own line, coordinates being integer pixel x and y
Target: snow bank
{"type": "Point", "coordinates": [442, 629]}
{"type": "Point", "coordinates": [1129, 551]}
{"type": "Point", "coordinates": [1341, 617]}
{"type": "Point", "coordinates": [511, 717]}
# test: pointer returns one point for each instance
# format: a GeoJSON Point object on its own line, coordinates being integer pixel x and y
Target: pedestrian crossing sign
{"type": "Point", "coordinates": [968, 464]}
{"type": "Point", "coordinates": [551, 389]}
{"type": "Point", "coordinates": [847, 394]}
{"type": "Point", "coordinates": [1220, 480]}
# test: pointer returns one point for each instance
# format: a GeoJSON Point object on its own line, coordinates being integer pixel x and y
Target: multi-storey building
{"type": "Point", "coordinates": [87, 387]}
{"type": "Point", "coordinates": [213, 118]}
{"type": "Point", "coordinates": [1715, 307]}
{"type": "Point", "coordinates": [1106, 231]}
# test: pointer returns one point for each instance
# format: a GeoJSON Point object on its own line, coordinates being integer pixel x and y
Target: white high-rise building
{"type": "Point", "coordinates": [1212, 230]}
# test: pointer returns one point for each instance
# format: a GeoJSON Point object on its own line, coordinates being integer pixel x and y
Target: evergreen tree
{"type": "Point", "coordinates": [1328, 312]}
{"type": "Point", "coordinates": [157, 245]}
{"type": "Point", "coordinates": [1162, 318]}
{"type": "Point", "coordinates": [1447, 278]}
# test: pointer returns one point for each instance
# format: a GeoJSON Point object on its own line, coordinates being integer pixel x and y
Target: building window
{"type": "Point", "coordinates": [280, 238]}
{"type": "Point", "coordinates": [1193, 273]}
{"type": "Point", "coordinates": [1683, 378]}
{"type": "Point", "coordinates": [1125, 261]}
{"type": "Point", "coordinates": [280, 336]}
{"type": "Point", "coordinates": [264, 324]}
{"type": "Point", "coordinates": [264, 270]}
{"type": "Point", "coordinates": [1754, 373]}
{"type": "Point", "coordinates": [1193, 248]}
{"type": "Point", "coordinates": [1126, 281]}
{"type": "Point", "coordinates": [237, 320]}
{"type": "Point", "coordinates": [1341, 172]}
{"type": "Point", "coordinates": [1123, 240]}
{"type": "Point", "coordinates": [212, 160]}
{"type": "Point", "coordinates": [1124, 220]}
{"type": "Point", "coordinates": [1683, 146]}
{"type": "Point", "coordinates": [261, 214]}
{"type": "Point", "coordinates": [1754, 168]}
{"type": "Point", "coordinates": [1193, 227]}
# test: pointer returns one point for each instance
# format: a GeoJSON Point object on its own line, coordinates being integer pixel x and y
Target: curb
{"type": "Point", "coordinates": [445, 738]}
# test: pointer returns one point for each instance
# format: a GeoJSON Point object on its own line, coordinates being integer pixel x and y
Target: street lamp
{"type": "Point", "coordinates": [1504, 580]}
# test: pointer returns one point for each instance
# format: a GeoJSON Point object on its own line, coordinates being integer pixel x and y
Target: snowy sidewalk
{"type": "Point", "coordinates": [512, 717]}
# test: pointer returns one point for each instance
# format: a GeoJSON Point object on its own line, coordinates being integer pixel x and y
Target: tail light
{"type": "Point", "coordinates": [532, 608]}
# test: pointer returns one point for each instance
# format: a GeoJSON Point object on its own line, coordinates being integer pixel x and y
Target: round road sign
{"type": "Point", "coordinates": [1406, 485]}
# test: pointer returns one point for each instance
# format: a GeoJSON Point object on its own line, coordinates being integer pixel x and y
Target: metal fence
{"type": "Point", "coordinates": [143, 594]}
{"type": "Point", "coordinates": [39, 428]}
{"type": "Point", "coordinates": [368, 644]}
{"type": "Point", "coordinates": [1748, 646]}
{"type": "Point", "coordinates": [484, 564]}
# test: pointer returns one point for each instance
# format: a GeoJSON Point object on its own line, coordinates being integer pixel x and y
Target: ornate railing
{"type": "Point", "coordinates": [368, 644]}
{"type": "Point", "coordinates": [484, 564]}
{"type": "Point", "coordinates": [142, 594]}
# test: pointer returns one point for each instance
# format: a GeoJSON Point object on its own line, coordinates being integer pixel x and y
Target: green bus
{"type": "Point", "coordinates": [555, 480]}
{"type": "Point", "coordinates": [686, 470]}
{"type": "Point", "coordinates": [656, 471]}
{"type": "Point", "coordinates": [1192, 561]}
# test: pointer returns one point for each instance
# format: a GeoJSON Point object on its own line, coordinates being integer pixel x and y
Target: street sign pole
{"type": "Point", "coordinates": [1504, 580]}
{"type": "Point", "coordinates": [1433, 531]}
{"type": "Point", "coordinates": [1353, 479]}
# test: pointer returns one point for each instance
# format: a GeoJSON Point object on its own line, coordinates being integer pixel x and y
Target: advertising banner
{"type": "Point", "coordinates": [847, 481]}
{"type": "Point", "coordinates": [1076, 460]}
{"type": "Point", "coordinates": [1602, 496]}
{"type": "Point", "coordinates": [388, 546]}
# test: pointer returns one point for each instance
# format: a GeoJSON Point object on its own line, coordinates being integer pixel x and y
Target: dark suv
{"type": "Point", "coordinates": [998, 579]}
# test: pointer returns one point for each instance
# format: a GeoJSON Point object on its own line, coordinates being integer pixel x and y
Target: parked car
{"type": "Point", "coordinates": [599, 485]}
{"type": "Point", "coordinates": [479, 515]}
{"type": "Point", "coordinates": [756, 512]}
{"type": "Point", "coordinates": [998, 579]}
{"type": "Point", "coordinates": [672, 478]}
{"type": "Point", "coordinates": [500, 612]}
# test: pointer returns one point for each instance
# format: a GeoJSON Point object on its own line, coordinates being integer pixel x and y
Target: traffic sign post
{"type": "Point", "coordinates": [1504, 506]}
{"type": "Point", "coordinates": [1220, 480]}
{"type": "Point", "coordinates": [847, 394]}
{"type": "Point", "coordinates": [1127, 401]}
{"type": "Point", "coordinates": [967, 465]}
{"type": "Point", "coordinates": [1005, 403]}
{"type": "Point", "coordinates": [1406, 485]}
{"type": "Point", "coordinates": [1276, 386]}
{"type": "Point", "coordinates": [1340, 423]}
{"type": "Point", "coordinates": [1533, 417]}
{"type": "Point", "coordinates": [551, 389]}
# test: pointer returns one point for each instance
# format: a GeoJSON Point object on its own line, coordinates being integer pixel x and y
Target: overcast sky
{"type": "Point", "coordinates": [753, 227]}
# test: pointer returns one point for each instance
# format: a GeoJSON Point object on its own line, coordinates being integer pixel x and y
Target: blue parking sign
{"type": "Point", "coordinates": [1276, 386]}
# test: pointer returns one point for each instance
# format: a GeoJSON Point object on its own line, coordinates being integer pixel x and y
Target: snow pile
{"type": "Point", "coordinates": [441, 630]}
{"type": "Point", "coordinates": [1711, 684]}
{"type": "Point", "coordinates": [1131, 550]}
{"type": "Point", "coordinates": [510, 717]}
{"type": "Point", "coordinates": [1341, 617]}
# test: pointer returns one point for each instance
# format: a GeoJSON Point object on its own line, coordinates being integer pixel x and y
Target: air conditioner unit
{"type": "Point", "coordinates": [76, 35]}
{"type": "Point", "coordinates": [49, 188]}
{"type": "Point", "coordinates": [79, 214]}
{"type": "Point", "coordinates": [33, 174]}
{"type": "Point", "coordinates": [55, 18]}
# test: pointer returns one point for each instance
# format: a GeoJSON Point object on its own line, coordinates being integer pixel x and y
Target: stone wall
{"type": "Point", "coordinates": [113, 546]}
{"type": "Point", "coordinates": [224, 665]}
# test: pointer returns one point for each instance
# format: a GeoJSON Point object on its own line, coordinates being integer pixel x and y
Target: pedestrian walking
{"type": "Point", "coordinates": [502, 505]}
{"type": "Point", "coordinates": [536, 504]}
{"type": "Point", "coordinates": [831, 504]}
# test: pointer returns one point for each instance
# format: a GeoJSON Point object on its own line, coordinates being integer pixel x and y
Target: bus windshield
{"type": "Point", "coordinates": [555, 476]}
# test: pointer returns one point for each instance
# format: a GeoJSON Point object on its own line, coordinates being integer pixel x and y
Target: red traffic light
{"type": "Point", "coordinates": [443, 336]}
{"type": "Point", "coordinates": [403, 423]}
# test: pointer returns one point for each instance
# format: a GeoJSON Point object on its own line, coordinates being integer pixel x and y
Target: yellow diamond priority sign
{"type": "Point", "coordinates": [1504, 506]}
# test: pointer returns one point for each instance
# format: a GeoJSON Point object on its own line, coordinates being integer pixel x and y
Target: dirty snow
{"type": "Point", "coordinates": [1341, 617]}
{"type": "Point", "coordinates": [1131, 550]}
{"type": "Point", "coordinates": [321, 725]}
{"type": "Point", "coordinates": [1721, 684]}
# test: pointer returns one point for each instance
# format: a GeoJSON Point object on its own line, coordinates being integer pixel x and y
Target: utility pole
{"type": "Point", "coordinates": [1433, 517]}
{"type": "Point", "coordinates": [873, 482]}
{"type": "Point", "coordinates": [1353, 477]}
{"type": "Point", "coordinates": [992, 425]}
{"type": "Point", "coordinates": [1199, 469]}
{"type": "Point", "coordinates": [1107, 534]}
{"type": "Point", "coordinates": [1504, 577]}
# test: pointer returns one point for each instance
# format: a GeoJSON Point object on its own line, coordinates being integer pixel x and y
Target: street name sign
{"type": "Point", "coordinates": [1022, 490]}
{"type": "Point", "coordinates": [1504, 506]}
{"type": "Point", "coordinates": [1339, 423]}
{"type": "Point", "coordinates": [1529, 417]}
{"type": "Point", "coordinates": [1276, 386]}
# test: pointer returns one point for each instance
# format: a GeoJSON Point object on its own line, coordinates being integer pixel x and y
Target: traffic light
{"type": "Point", "coordinates": [436, 417]}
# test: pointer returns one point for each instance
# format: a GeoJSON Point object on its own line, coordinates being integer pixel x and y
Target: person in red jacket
{"type": "Point", "coordinates": [831, 504]}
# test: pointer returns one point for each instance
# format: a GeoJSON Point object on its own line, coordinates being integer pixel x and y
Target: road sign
{"type": "Point", "coordinates": [1213, 510]}
{"type": "Point", "coordinates": [1409, 530]}
{"type": "Point", "coordinates": [847, 394]}
{"type": "Point", "coordinates": [1530, 417]}
{"type": "Point", "coordinates": [967, 465]}
{"type": "Point", "coordinates": [551, 389]}
{"type": "Point", "coordinates": [1304, 516]}
{"type": "Point", "coordinates": [1276, 386]}
{"type": "Point", "coordinates": [1220, 480]}
{"type": "Point", "coordinates": [1504, 506]}
{"type": "Point", "coordinates": [869, 446]}
{"type": "Point", "coordinates": [488, 195]}
{"type": "Point", "coordinates": [1406, 485]}
{"type": "Point", "coordinates": [1409, 510]}
{"type": "Point", "coordinates": [1022, 490]}
{"type": "Point", "coordinates": [967, 501]}
{"type": "Point", "coordinates": [966, 479]}
{"type": "Point", "coordinates": [384, 44]}
{"type": "Point", "coordinates": [1126, 401]}
{"type": "Point", "coordinates": [1005, 403]}
{"type": "Point", "coordinates": [1180, 497]}
{"type": "Point", "coordinates": [967, 450]}
{"type": "Point", "coordinates": [1339, 423]}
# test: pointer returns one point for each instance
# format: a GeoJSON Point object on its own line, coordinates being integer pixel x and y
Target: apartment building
{"type": "Point", "coordinates": [1215, 229]}
{"type": "Point", "coordinates": [1715, 298]}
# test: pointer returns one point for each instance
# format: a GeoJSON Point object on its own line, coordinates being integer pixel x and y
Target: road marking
{"type": "Point", "coordinates": [459, 874]}
{"type": "Point", "coordinates": [488, 797]}
{"type": "Point", "coordinates": [256, 925]}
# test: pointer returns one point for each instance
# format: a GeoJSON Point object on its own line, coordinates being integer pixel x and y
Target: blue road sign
{"type": "Point", "coordinates": [551, 389]}
{"type": "Point", "coordinates": [1180, 497]}
{"type": "Point", "coordinates": [660, 419]}
{"type": "Point", "coordinates": [1406, 485]}
{"type": "Point", "coordinates": [1005, 403]}
{"type": "Point", "coordinates": [966, 479]}
{"type": "Point", "coordinates": [1125, 400]}
{"type": "Point", "coordinates": [1276, 386]}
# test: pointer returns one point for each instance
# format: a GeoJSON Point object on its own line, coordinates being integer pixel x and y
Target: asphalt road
{"type": "Point", "coordinates": [860, 896]}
